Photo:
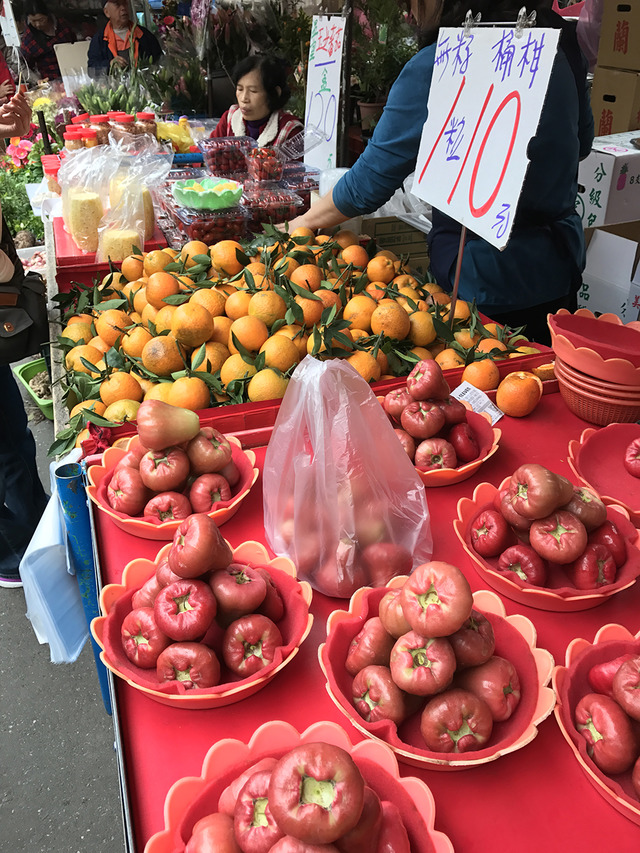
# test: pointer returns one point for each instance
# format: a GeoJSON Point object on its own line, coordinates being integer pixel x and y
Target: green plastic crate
{"type": "Point", "coordinates": [27, 371]}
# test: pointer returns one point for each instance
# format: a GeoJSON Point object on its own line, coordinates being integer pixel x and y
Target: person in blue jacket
{"type": "Point", "coordinates": [540, 270]}
{"type": "Point", "coordinates": [118, 38]}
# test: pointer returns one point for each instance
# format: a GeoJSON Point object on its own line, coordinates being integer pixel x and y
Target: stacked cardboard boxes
{"type": "Point", "coordinates": [615, 97]}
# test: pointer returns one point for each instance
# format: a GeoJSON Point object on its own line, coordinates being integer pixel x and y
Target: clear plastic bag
{"type": "Point", "coordinates": [84, 178]}
{"type": "Point", "coordinates": [341, 497]}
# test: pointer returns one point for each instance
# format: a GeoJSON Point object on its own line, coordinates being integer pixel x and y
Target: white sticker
{"type": "Point", "coordinates": [478, 400]}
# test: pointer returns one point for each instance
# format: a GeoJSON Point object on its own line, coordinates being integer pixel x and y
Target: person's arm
{"type": "Point", "coordinates": [322, 214]}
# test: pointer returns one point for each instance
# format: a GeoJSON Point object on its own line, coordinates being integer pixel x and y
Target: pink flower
{"type": "Point", "coordinates": [18, 150]}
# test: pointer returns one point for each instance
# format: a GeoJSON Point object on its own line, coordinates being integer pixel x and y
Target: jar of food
{"type": "Point", "coordinates": [123, 125]}
{"type": "Point", "coordinates": [146, 123]}
{"type": "Point", "coordinates": [90, 137]}
{"type": "Point", "coordinates": [81, 120]}
{"type": "Point", "coordinates": [73, 140]}
{"type": "Point", "coordinates": [102, 125]}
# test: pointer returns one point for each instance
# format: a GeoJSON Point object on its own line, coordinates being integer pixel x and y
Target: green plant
{"type": "Point", "coordinates": [16, 206]}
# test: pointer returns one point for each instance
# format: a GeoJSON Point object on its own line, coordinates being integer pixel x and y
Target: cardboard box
{"type": "Point", "coordinates": [607, 276]}
{"type": "Point", "coordinates": [400, 237]}
{"type": "Point", "coordinates": [615, 101]}
{"type": "Point", "coordinates": [609, 181]}
{"type": "Point", "coordinates": [620, 35]}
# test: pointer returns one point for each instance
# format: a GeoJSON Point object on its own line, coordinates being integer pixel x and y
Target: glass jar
{"type": "Point", "coordinates": [73, 140]}
{"type": "Point", "coordinates": [123, 125]}
{"type": "Point", "coordinates": [146, 123]}
{"type": "Point", "coordinates": [90, 137]}
{"type": "Point", "coordinates": [102, 125]}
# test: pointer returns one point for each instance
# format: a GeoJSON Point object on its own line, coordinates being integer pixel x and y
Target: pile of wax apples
{"type": "Point", "coordinates": [199, 598]}
{"type": "Point", "coordinates": [312, 800]}
{"type": "Point", "coordinates": [608, 718]}
{"type": "Point", "coordinates": [175, 469]}
{"type": "Point", "coordinates": [540, 523]}
{"type": "Point", "coordinates": [430, 423]}
{"type": "Point", "coordinates": [429, 649]}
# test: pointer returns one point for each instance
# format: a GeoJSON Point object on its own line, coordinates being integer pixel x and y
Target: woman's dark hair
{"type": "Point", "coordinates": [36, 7]}
{"type": "Point", "coordinates": [451, 13]}
{"type": "Point", "coordinates": [273, 71]}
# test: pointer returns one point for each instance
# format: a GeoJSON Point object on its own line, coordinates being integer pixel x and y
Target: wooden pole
{"type": "Point", "coordinates": [456, 281]}
{"type": "Point", "coordinates": [345, 104]}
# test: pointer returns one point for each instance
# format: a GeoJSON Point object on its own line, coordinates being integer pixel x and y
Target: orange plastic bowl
{"type": "Point", "coordinates": [577, 350]}
{"type": "Point", "coordinates": [559, 596]}
{"type": "Point", "coordinates": [597, 407]}
{"type": "Point", "coordinates": [597, 461]}
{"type": "Point", "coordinates": [571, 684]}
{"type": "Point", "coordinates": [115, 604]}
{"type": "Point", "coordinates": [194, 797]}
{"type": "Point", "coordinates": [612, 390]}
{"type": "Point", "coordinates": [515, 640]}
{"type": "Point", "coordinates": [148, 528]}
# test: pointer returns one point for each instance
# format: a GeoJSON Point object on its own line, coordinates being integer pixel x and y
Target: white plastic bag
{"type": "Point", "coordinates": [341, 497]}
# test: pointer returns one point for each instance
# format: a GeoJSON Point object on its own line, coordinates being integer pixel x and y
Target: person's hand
{"type": "Point", "coordinates": [15, 116]}
{"type": "Point", "coordinates": [6, 89]}
{"type": "Point", "coordinates": [121, 61]}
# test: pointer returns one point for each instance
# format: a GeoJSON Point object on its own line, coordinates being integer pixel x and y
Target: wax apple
{"type": "Point", "coordinates": [239, 589]}
{"type": "Point", "coordinates": [587, 506]}
{"type": "Point", "coordinates": [453, 410]}
{"type": "Point", "coordinates": [524, 563]}
{"type": "Point", "coordinates": [456, 721]}
{"type": "Point", "coordinates": [601, 675]}
{"type": "Point", "coordinates": [609, 536]}
{"type": "Point", "coordinates": [363, 838]}
{"type": "Point", "coordinates": [464, 442]}
{"type": "Point", "coordinates": [250, 644]}
{"type": "Point", "coordinates": [229, 797]}
{"type": "Point", "coordinates": [594, 568]}
{"type": "Point", "coordinates": [559, 537]}
{"type": "Point", "coordinates": [436, 599]}
{"type": "Point", "coordinates": [426, 381]}
{"type": "Point", "coordinates": [168, 506]}
{"type": "Point", "coordinates": [626, 687]}
{"type": "Point", "coordinates": [422, 419]}
{"type": "Point", "coordinates": [126, 491]}
{"type": "Point", "coordinates": [209, 451]}
{"type": "Point", "coordinates": [198, 547]}
{"type": "Point", "coordinates": [433, 453]}
{"type": "Point", "coordinates": [497, 682]}
{"type": "Point", "coordinates": [142, 639]}
{"type": "Point", "coordinates": [393, 834]}
{"type": "Point", "coordinates": [316, 793]}
{"type": "Point", "coordinates": [192, 664]}
{"type": "Point", "coordinates": [490, 533]}
{"type": "Point", "coordinates": [421, 665]}
{"type": "Point", "coordinates": [184, 610]}
{"type": "Point", "coordinates": [376, 696]}
{"type": "Point", "coordinates": [535, 491]}
{"type": "Point", "coordinates": [407, 442]}
{"type": "Point", "coordinates": [608, 731]}
{"type": "Point", "coordinates": [213, 834]}
{"type": "Point", "coordinates": [395, 401]}
{"type": "Point", "coordinates": [161, 425]}
{"type": "Point", "coordinates": [207, 491]}
{"type": "Point", "coordinates": [632, 458]}
{"type": "Point", "coordinates": [392, 615]}
{"type": "Point", "coordinates": [165, 470]}
{"type": "Point", "coordinates": [474, 642]}
{"type": "Point", "coordinates": [147, 594]}
{"type": "Point", "coordinates": [371, 645]}
{"type": "Point", "coordinates": [254, 825]}
{"type": "Point", "coordinates": [385, 560]}
{"type": "Point", "coordinates": [273, 605]}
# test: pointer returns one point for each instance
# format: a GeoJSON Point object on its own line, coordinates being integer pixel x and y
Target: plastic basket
{"type": "Point", "coordinates": [596, 410]}
{"type": "Point", "coordinates": [24, 373]}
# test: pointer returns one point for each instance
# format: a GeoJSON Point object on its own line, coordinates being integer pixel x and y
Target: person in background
{"type": "Point", "coordinates": [22, 496]}
{"type": "Point", "coordinates": [540, 269]}
{"type": "Point", "coordinates": [589, 24]}
{"type": "Point", "coordinates": [262, 92]}
{"type": "Point", "coordinates": [42, 33]}
{"type": "Point", "coordinates": [7, 85]}
{"type": "Point", "coordinates": [114, 41]}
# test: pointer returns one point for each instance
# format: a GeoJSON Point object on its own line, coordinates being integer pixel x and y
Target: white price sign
{"type": "Point", "coordinates": [484, 106]}
{"type": "Point", "coordinates": [323, 87]}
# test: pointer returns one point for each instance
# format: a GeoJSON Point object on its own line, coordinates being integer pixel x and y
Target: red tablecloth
{"type": "Point", "coordinates": [536, 799]}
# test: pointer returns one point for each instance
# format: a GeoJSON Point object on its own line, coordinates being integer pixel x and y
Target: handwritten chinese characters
{"type": "Point", "coordinates": [323, 87]}
{"type": "Point", "coordinates": [484, 106]}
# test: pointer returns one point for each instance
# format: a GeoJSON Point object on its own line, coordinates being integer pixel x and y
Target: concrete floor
{"type": "Point", "coordinates": [59, 788]}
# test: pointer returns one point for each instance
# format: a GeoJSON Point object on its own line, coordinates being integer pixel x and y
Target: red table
{"type": "Point", "coordinates": [536, 799]}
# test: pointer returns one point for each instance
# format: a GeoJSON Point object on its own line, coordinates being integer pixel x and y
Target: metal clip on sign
{"type": "Point", "coordinates": [522, 22]}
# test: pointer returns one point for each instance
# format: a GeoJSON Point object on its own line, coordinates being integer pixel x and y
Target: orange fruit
{"type": "Point", "coordinates": [190, 392]}
{"type": "Point", "coordinates": [519, 393]}
{"type": "Point", "coordinates": [490, 344]}
{"type": "Point", "coordinates": [193, 247]}
{"type": "Point", "coordinates": [113, 281]}
{"type": "Point", "coordinates": [98, 343]}
{"type": "Point", "coordinates": [280, 352]}
{"type": "Point", "coordinates": [159, 391]}
{"type": "Point", "coordinates": [134, 340]}
{"type": "Point", "coordinates": [192, 324]}
{"type": "Point", "coordinates": [465, 339]}
{"type": "Point", "coordinates": [381, 268]}
{"type": "Point", "coordinates": [266, 384]}
{"type": "Point", "coordinates": [221, 326]}
{"type": "Point", "coordinates": [356, 255]}
{"type": "Point", "coordinates": [366, 365]}
{"type": "Point", "coordinates": [358, 310]}
{"type": "Point", "coordinates": [387, 253]}
{"type": "Point", "coordinates": [439, 298]}
{"type": "Point", "coordinates": [161, 355]}
{"type": "Point", "coordinates": [256, 268]}
{"type": "Point", "coordinates": [448, 358]}
{"type": "Point", "coordinates": [162, 318]}
{"type": "Point", "coordinates": [80, 318]}
{"type": "Point", "coordinates": [237, 304]}
{"type": "Point", "coordinates": [267, 306]}
{"type": "Point", "coordinates": [159, 286]}
{"type": "Point", "coordinates": [329, 297]}
{"type": "Point", "coordinates": [235, 367]}
{"type": "Point", "coordinates": [302, 231]}
{"type": "Point", "coordinates": [78, 332]}
{"type": "Point", "coordinates": [345, 238]}
{"type": "Point", "coordinates": [462, 311]}
{"type": "Point", "coordinates": [483, 374]}
{"type": "Point", "coordinates": [96, 406]}
{"type": "Point", "coordinates": [89, 353]}
{"type": "Point", "coordinates": [311, 309]}
{"type": "Point", "coordinates": [376, 290]}
{"type": "Point", "coordinates": [215, 356]}
{"type": "Point", "coordinates": [296, 334]}
{"type": "Point", "coordinates": [493, 328]}
{"type": "Point", "coordinates": [145, 384]}
{"type": "Point", "coordinates": [112, 324]}
{"type": "Point", "coordinates": [334, 343]}
{"type": "Point", "coordinates": [422, 332]}
{"type": "Point", "coordinates": [122, 411]}
{"type": "Point", "coordinates": [308, 276]}
{"type": "Point", "coordinates": [251, 333]}
{"type": "Point", "coordinates": [139, 299]}
{"type": "Point", "coordinates": [150, 315]}
{"type": "Point", "coordinates": [84, 435]}
{"type": "Point", "coordinates": [155, 261]}
{"type": "Point", "coordinates": [405, 280]}
{"type": "Point", "coordinates": [390, 318]}
{"type": "Point", "coordinates": [132, 267]}
{"type": "Point", "coordinates": [224, 256]}
{"type": "Point", "coordinates": [120, 386]}
{"type": "Point", "coordinates": [286, 266]}
{"type": "Point", "coordinates": [423, 353]}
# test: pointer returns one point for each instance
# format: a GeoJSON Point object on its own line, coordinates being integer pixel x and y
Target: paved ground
{"type": "Point", "coordinates": [58, 775]}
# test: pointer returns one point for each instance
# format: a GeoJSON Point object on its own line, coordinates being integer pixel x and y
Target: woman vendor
{"type": "Point", "coordinates": [262, 92]}
{"type": "Point", "coordinates": [540, 269]}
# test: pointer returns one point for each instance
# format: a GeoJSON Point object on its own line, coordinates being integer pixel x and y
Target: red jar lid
{"type": "Point", "coordinates": [79, 119]}
{"type": "Point", "coordinates": [125, 119]}
{"type": "Point", "coordinates": [99, 119]}
{"type": "Point", "coordinates": [89, 133]}
{"type": "Point", "coordinates": [115, 114]}
{"type": "Point", "coordinates": [73, 134]}
{"type": "Point", "coordinates": [146, 116]}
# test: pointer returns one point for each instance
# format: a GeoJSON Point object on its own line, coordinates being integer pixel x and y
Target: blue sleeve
{"type": "Point", "coordinates": [392, 150]}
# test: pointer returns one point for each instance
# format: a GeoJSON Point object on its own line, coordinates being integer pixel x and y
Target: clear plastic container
{"type": "Point", "coordinates": [81, 120]}
{"type": "Point", "coordinates": [269, 202]}
{"type": "Point", "coordinates": [102, 125]}
{"type": "Point", "coordinates": [264, 164]}
{"type": "Point", "coordinates": [90, 137]}
{"type": "Point", "coordinates": [146, 123]}
{"type": "Point", "coordinates": [303, 181]}
{"type": "Point", "coordinates": [73, 140]}
{"type": "Point", "coordinates": [188, 173]}
{"type": "Point", "coordinates": [210, 226]}
{"type": "Point", "coordinates": [51, 167]}
{"type": "Point", "coordinates": [123, 125]}
{"type": "Point", "coordinates": [227, 154]}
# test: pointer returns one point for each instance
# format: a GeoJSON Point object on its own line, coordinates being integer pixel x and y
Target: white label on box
{"type": "Point", "coordinates": [477, 399]}
{"type": "Point", "coordinates": [595, 176]}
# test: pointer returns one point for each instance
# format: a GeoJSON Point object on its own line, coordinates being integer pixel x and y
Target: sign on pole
{"type": "Point", "coordinates": [8, 25]}
{"type": "Point", "coordinates": [323, 87]}
{"type": "Point", "coordinates": [488, 88]}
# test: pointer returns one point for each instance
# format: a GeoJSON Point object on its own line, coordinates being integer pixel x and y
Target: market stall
{"type": "Point", "coordinates": [535, 798]}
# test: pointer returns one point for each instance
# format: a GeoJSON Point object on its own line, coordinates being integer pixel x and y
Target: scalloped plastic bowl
{"type": "Point", "coordinates": [610, 390]}
{"type": "Point", "coordinates": [585, 358]}
{"type": "Point", "coordinates": [144, 526]}
{"type": "Point", "coordinates": [571, 684]}
{"type": "Point", "coordinates": [193, 797]}
{"type": "Point", "coordinates": [596, 460]}
{"type": "Point", "coordinates": [115, 603]}
{"type": "Point", "coordinates": [597, 407]}
{"type": "Point", "coordinates": [562, 599]}
{"type": "Point", "coordinates": [515, 639]}
{"type": "Point", "coordinates": [211, 197]}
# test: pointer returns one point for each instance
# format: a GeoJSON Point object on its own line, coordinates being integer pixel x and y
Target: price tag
{"type": "Point", "coordinates": [323, 87]}
{"type": "Point", "coordinates": [484, 107]}
{"type": "Point", "coordinates": [478, 400]}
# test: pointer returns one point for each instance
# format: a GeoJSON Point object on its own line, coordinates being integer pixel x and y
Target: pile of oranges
{"type": "Point", "coordinates": [207, 325]}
